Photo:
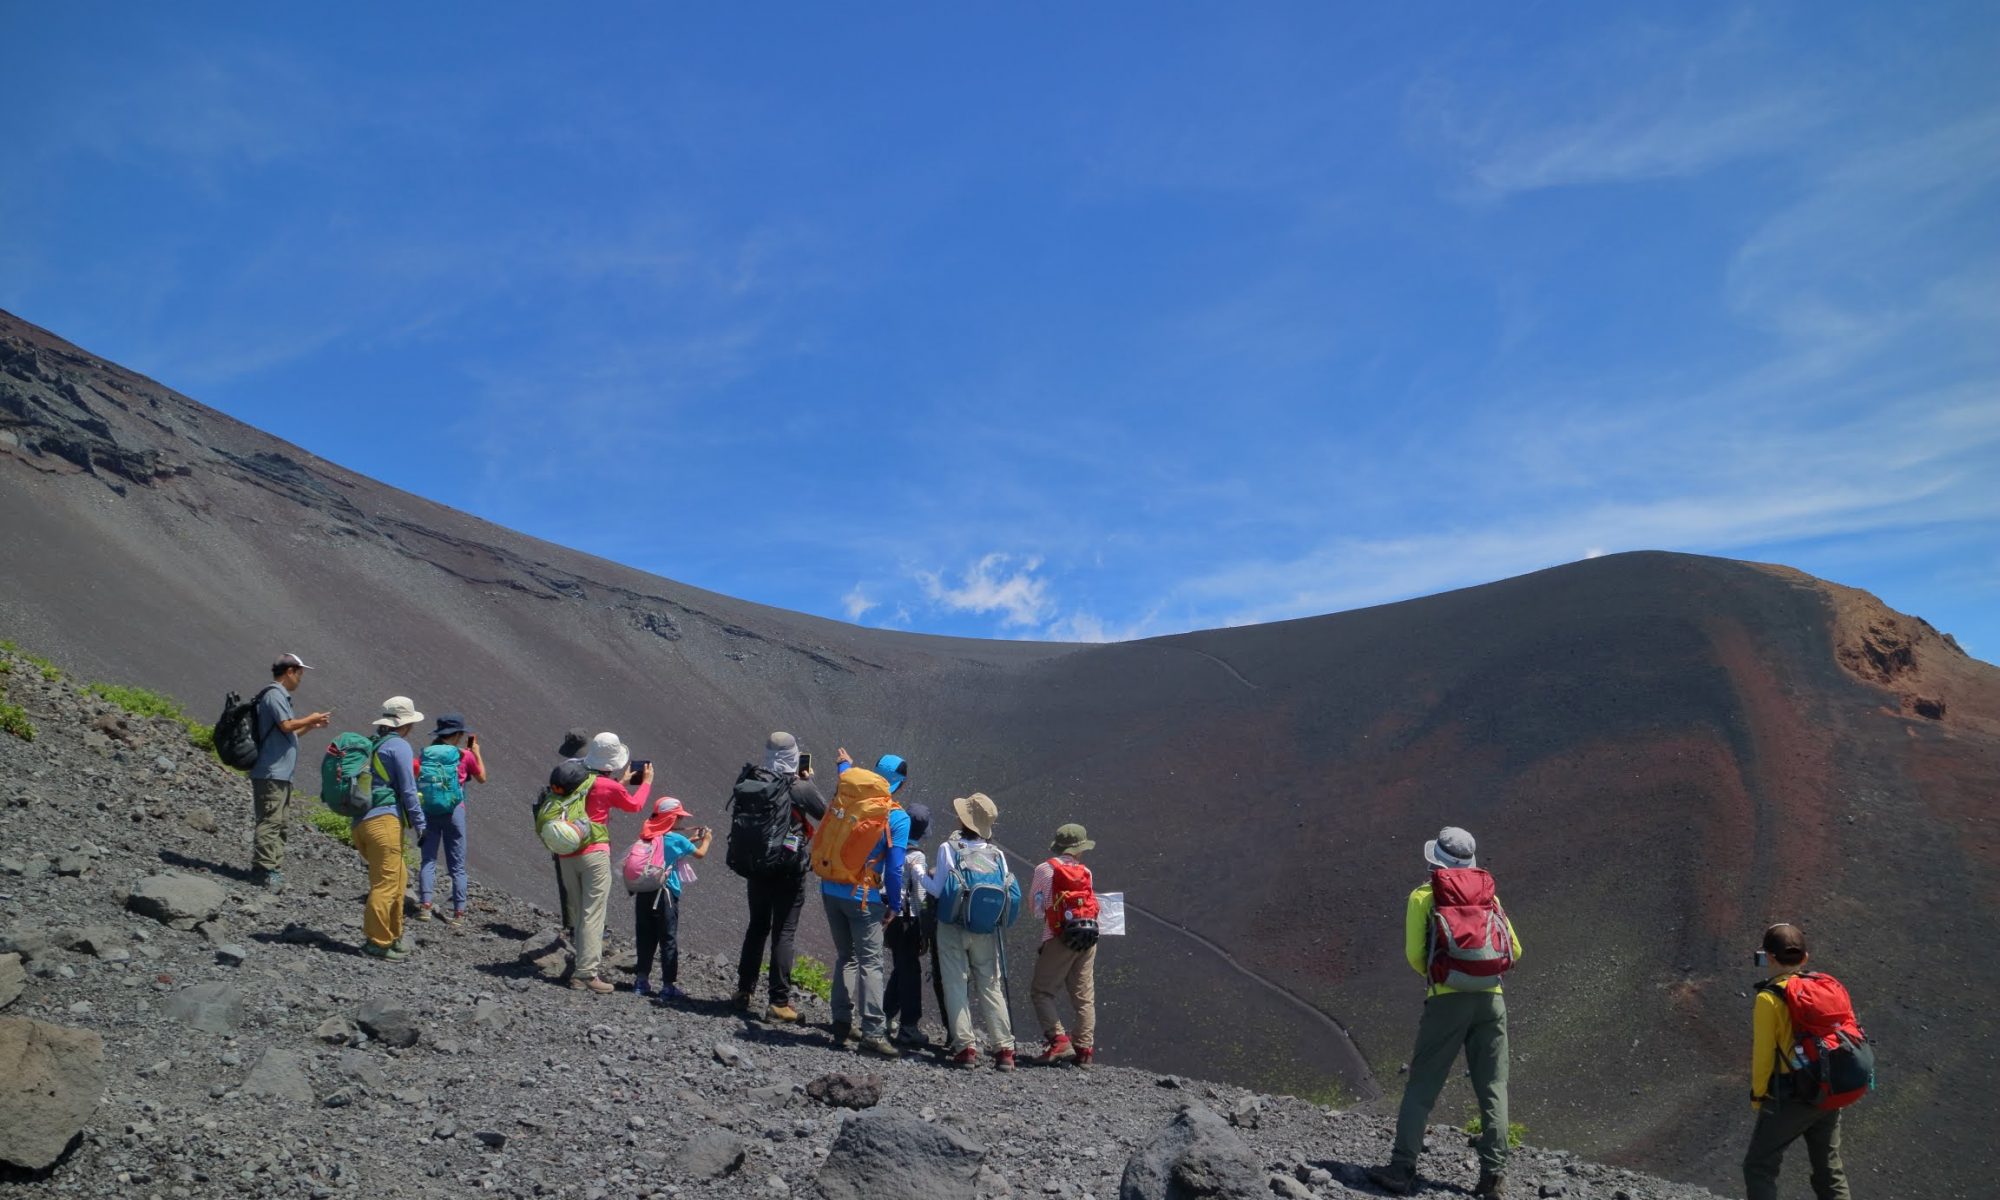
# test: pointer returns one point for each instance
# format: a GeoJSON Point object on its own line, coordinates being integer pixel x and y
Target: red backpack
{"type": "Point", "coordinates": [1832, 1063]}
{"type": "Point", "coordinates": [1072, 905]}
{"type": "Point", "coordinates": [1470, 944]}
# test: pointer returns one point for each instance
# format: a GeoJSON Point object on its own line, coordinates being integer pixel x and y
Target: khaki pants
{"type": "Point", "coordinates": [380, 841]}
{"type": "Point", "coordinates": [1058, 966]}
{"type": "Point", "coordinates": [1779, 1124]}
{"type": "Point", "coordinates": [587, 883]}
{"type": "Point", "coordinates": [272, 799]}
{"type": "Point", "coordinates": [1475, 1022]}
{"type": "Point", "coordinates": [973, 959]}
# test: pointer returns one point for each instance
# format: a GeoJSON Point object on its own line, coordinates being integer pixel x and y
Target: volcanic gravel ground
{"type": "Point", "coordinates": [512, 1084]}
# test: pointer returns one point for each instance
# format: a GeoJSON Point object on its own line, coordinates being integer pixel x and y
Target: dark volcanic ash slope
{"type": "Point", "coordinates": [1660, 754]}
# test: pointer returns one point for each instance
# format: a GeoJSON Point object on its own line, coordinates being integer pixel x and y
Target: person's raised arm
{"type": "Point", "coordinates": [476, 767]}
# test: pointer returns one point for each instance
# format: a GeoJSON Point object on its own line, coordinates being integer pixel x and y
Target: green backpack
{"type": "Point", "coordinates": [438, 786]}
{"type": "Point", "coordinates": [347, 776]}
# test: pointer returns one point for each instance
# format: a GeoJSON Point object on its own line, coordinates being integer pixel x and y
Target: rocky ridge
{"type": "Point", "coordinates": [185, 1034]}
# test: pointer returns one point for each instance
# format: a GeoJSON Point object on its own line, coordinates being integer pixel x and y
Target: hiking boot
{"type": "Point", "coordinates": [459, 914]}
{"type": "Point", "coordinates": [741, 1000]}
{"type": "Point", "coordinates": [842, 1032]}
{"type": "Point", "coordinates": [271, 881]}
{"type": "Point", "coordinates": [1059, 1050]}
{"type": "Point", "coordinates": [390, 953]}
{"type": "Point", "coordinates": [909, 1037]}
{"type": "Point", "coordinates": [642, 987]}
{"type": "Point", "coordinates": [1396, 1179]}
{"type": "Point", "coordinates": [1003, 1060]}
{"type": "Point", "coordinates": [1085, 1055]}
{"type": "Point", "coordinates": [424, 912]}
{"type": "Point", "coordinates": [880, 1045]}
{"type": "Point", "coordinates": [1491, 1185]}
{"type": "Point", "coordinates": [968, 1057]}
{"type": "Point", "coordinates": [782, 1012]}
{"type": "Point", "coordinates": [592, 984]}
{"type": "Point", "coordinates": [671, 992]}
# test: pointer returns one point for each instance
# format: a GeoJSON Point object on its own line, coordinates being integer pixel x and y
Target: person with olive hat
{"type": "Point", "coordinates": [378, 833]}
{"type": "Point", "coordinates": [1064, 895]}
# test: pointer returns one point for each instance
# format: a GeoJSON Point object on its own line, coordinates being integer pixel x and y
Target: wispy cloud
{"type": "Point", "coordinates": [856, 604]}
{"type": "Point", "coordinates": [996, 583]}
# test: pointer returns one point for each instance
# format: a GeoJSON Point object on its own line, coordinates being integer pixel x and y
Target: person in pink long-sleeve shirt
{"type": "Point", "coordinates": [587, 873]}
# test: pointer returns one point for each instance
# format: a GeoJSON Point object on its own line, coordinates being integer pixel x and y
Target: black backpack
{"type": "Point", "coordinates": [237, 742]}
{"type": "Point", "coordinates": [764, 840]}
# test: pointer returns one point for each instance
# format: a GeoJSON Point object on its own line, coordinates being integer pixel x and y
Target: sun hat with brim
{"type": "Point", "coordinates": [448, 724]}
{"type": "Point", "coordinates": [606, 753]}
{"type": "Point", "coordinates": [1071, 839]}
{"type": "Point", "coordinates": [398, 711]}
{"type": "Point", "coordinates": [667, 812]}
{"type": "Point", "coordinates": [976, 812]}
{"type": "Point", "coordinates": [1451, 848]}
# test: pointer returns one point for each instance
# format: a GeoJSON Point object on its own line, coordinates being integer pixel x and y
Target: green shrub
{"type": "Point", "coordinates": [51, 672]}
{"type": "Point", "coordinates": [811, 975]}
{"type": "Point", "coordinates": [1517, 1132]}
{"type": "Point", "coordinates": [14, 720]}
{"type": "Point", "coordinates": [138, 701]}
{"type": "Point", "coordinates": [330, 823]}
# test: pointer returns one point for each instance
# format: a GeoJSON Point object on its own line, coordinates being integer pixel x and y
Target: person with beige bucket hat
{"type": "Point", "coordinates": [378, 834]}
{"type": "Point", "coordinates": [978, 897]}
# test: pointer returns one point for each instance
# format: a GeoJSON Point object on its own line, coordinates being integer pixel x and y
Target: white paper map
{"type": "Point", "coordinates": [1110, 914]}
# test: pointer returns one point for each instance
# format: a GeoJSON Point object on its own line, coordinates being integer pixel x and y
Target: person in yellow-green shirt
{"type": "Point", "coordinates": [1782, 1118]}
{"type": "Point", "coordinates": [1463, 1010]}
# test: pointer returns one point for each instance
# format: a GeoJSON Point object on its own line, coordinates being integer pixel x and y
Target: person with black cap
{"type": "Point", "coordinates": [1452, 938]}
{"type": "Point", "coordinates": [451, 761]}
{"type": "Point", "coordinates": [277, 732]}
{"type": "Point", "coordinates": [571, 750]}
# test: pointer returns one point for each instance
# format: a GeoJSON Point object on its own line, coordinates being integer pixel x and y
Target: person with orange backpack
{"type": "Point", "coordinates": [1808, 1060]}
{"type": "Point", "coordinates": [858, 852]}
{"type": "Point", "coordinates": [1063, 894]}
{"type": "Point", "coordinates": [1456, 935]}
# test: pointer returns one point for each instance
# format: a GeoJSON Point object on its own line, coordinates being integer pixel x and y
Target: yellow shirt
{"type": "Point", "coordinates": [1416, 937]}
{"type": "Point", "coordinates": [1770, 1030]}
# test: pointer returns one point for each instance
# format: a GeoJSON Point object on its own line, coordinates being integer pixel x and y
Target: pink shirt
{"type": "Point", "coordinates": [606, 794]}
{"type": "Point", "coordinates": [466, 759]}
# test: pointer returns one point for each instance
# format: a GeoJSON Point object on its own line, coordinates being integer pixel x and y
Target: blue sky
{"type": "Point", "coordinates": [1065, 321]}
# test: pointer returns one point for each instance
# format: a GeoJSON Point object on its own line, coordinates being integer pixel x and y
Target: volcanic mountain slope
{"type": "Point", "coordinates": [1659, 753]}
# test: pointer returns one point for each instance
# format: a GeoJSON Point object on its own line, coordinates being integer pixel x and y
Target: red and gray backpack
{"type": "Point", "coordinates": [1470, 946]}
{"type": "Point", "coordinates": [1072, 905]}
{"type": "Point", "coordinates": [1832, 1063]}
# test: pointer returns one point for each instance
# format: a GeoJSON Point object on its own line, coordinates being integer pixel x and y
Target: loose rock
{"type": "Point", "coordinates": [1197, 1155]}
{"type": "Point", "coordinates": [841, 1090]}
{"type": "Point", "coordinates": [891, 1155]}
{"type": "Point", "coordinates": [210, 1007]}
{"type": "Point", "coordinates": [176, 899]}
{"type": "Point", "coordinates": [52, 1084]}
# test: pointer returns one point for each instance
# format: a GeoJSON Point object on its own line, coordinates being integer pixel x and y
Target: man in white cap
{"type": "Point", "coordinates": [378, 833]}
{"type": "Point", "coordinates": [1451, 938]}
{"type": "Point", "coordinates": [277, 732]}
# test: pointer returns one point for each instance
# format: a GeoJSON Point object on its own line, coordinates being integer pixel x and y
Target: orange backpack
{"type": "Point", "coordinates": [843, 849]}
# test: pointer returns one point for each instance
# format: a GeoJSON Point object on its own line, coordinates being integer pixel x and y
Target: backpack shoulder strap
{"type": "Point", "coordinates": [256, 709]}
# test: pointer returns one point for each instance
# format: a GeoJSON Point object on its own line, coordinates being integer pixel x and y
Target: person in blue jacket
{"type": "Point", "coordinates": [855, 919]}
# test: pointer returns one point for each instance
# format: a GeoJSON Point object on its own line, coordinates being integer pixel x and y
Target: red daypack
{"type": "Point", "coordinates": [1832, 1063]}
{"type": "Point", "coordinates": [1470, 944]}
{"type": "Point", "coordinates": [1073, 909]}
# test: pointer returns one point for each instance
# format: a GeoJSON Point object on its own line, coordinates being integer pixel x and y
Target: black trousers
{"type": "Point", "coordinates": [775, 904]}
{"type": "Point", "coordinates": [656, 921]}
{"type": "Point", "coordinates": [903, 1002]}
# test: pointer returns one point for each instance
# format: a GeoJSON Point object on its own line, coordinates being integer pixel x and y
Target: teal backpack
{"type": "Point", "coordinates": [346, 778]}
{"type": "Point", "coordinates": [437, 780]}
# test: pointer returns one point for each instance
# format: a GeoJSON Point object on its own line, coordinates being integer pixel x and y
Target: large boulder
{"type": "Point", "coordinates": [1197, 1157]}
{"type": "Point", "coordinates": [712, 1155]}
{"type": "Point", "coordinates": [841, 1090]}
{"type": "Point", "coordinates": [53, 1081]}
{"type": "Point", "coordinates": [182, 901]}
{"type": "Point", "coordinates": [281, 1075]}
{"type": "Point", "coordinates": [210, 1007]}
{"type": "Point", "coordinates": [13, 977]}
{"type": "Point", "coordinates": [884, 1154]}
{"type": "Point", "coordinates": [388, 1024]}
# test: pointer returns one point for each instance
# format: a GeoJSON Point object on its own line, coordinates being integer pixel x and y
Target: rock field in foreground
{"type": "Point", "coordinates": [248, 1049]}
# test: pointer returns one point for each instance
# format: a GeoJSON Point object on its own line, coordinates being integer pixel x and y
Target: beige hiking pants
{"type": "Point", "coordinates": [1059, 967]}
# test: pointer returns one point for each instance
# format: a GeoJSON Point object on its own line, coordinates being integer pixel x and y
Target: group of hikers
{"type": "Point", "coordinates": [885, 903]}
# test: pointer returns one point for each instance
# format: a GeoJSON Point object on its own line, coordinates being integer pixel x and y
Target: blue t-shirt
{"type": "Point", "coordinates": [674, 847]}
{"type": "Point", "coordinates": [277, 751]}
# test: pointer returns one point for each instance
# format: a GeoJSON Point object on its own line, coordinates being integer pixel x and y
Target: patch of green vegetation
{"type": "Point", "coordinates": [1517, 1132]}
{"type": "Point", "coordinates": [1327, 1095]}
{"type": "Point", "coordinates": [14, 720]}
{"type": "Point", "coordinates": [812, 975]}
{"type": "Point", "coordinates": [143, 703]}
{"type": "Point", "coordinates": [330, 823]}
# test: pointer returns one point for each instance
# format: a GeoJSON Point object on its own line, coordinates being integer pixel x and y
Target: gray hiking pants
{"type": "Point", "coordinates": [856, 926]}
{"type": "Point", "coordinates": [1475, 1022]}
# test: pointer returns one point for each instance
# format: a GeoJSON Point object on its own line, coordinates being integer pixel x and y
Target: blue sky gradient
{"type": "Point", "coordinates": [1066, 321]}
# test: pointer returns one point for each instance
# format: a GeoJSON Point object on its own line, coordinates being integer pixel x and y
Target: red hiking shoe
{"type": "Point", "coordinates": [1059, 1051]}
{"type": "Point", "coordinates": [1003, 1060]}
{"type": "Point", "coordinates": [1085, 1055]}
{"type": "Point", "coordinates": [968, 1057]}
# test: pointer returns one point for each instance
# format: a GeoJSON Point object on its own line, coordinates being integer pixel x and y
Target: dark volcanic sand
{"type": "Point", "coordinates": [1660, 754]}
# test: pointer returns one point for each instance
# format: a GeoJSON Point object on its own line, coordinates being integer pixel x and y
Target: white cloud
{"type": "Point", "coordinates": [993, 584]}
{"type": "Point", "coordinates": [856, 603]}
